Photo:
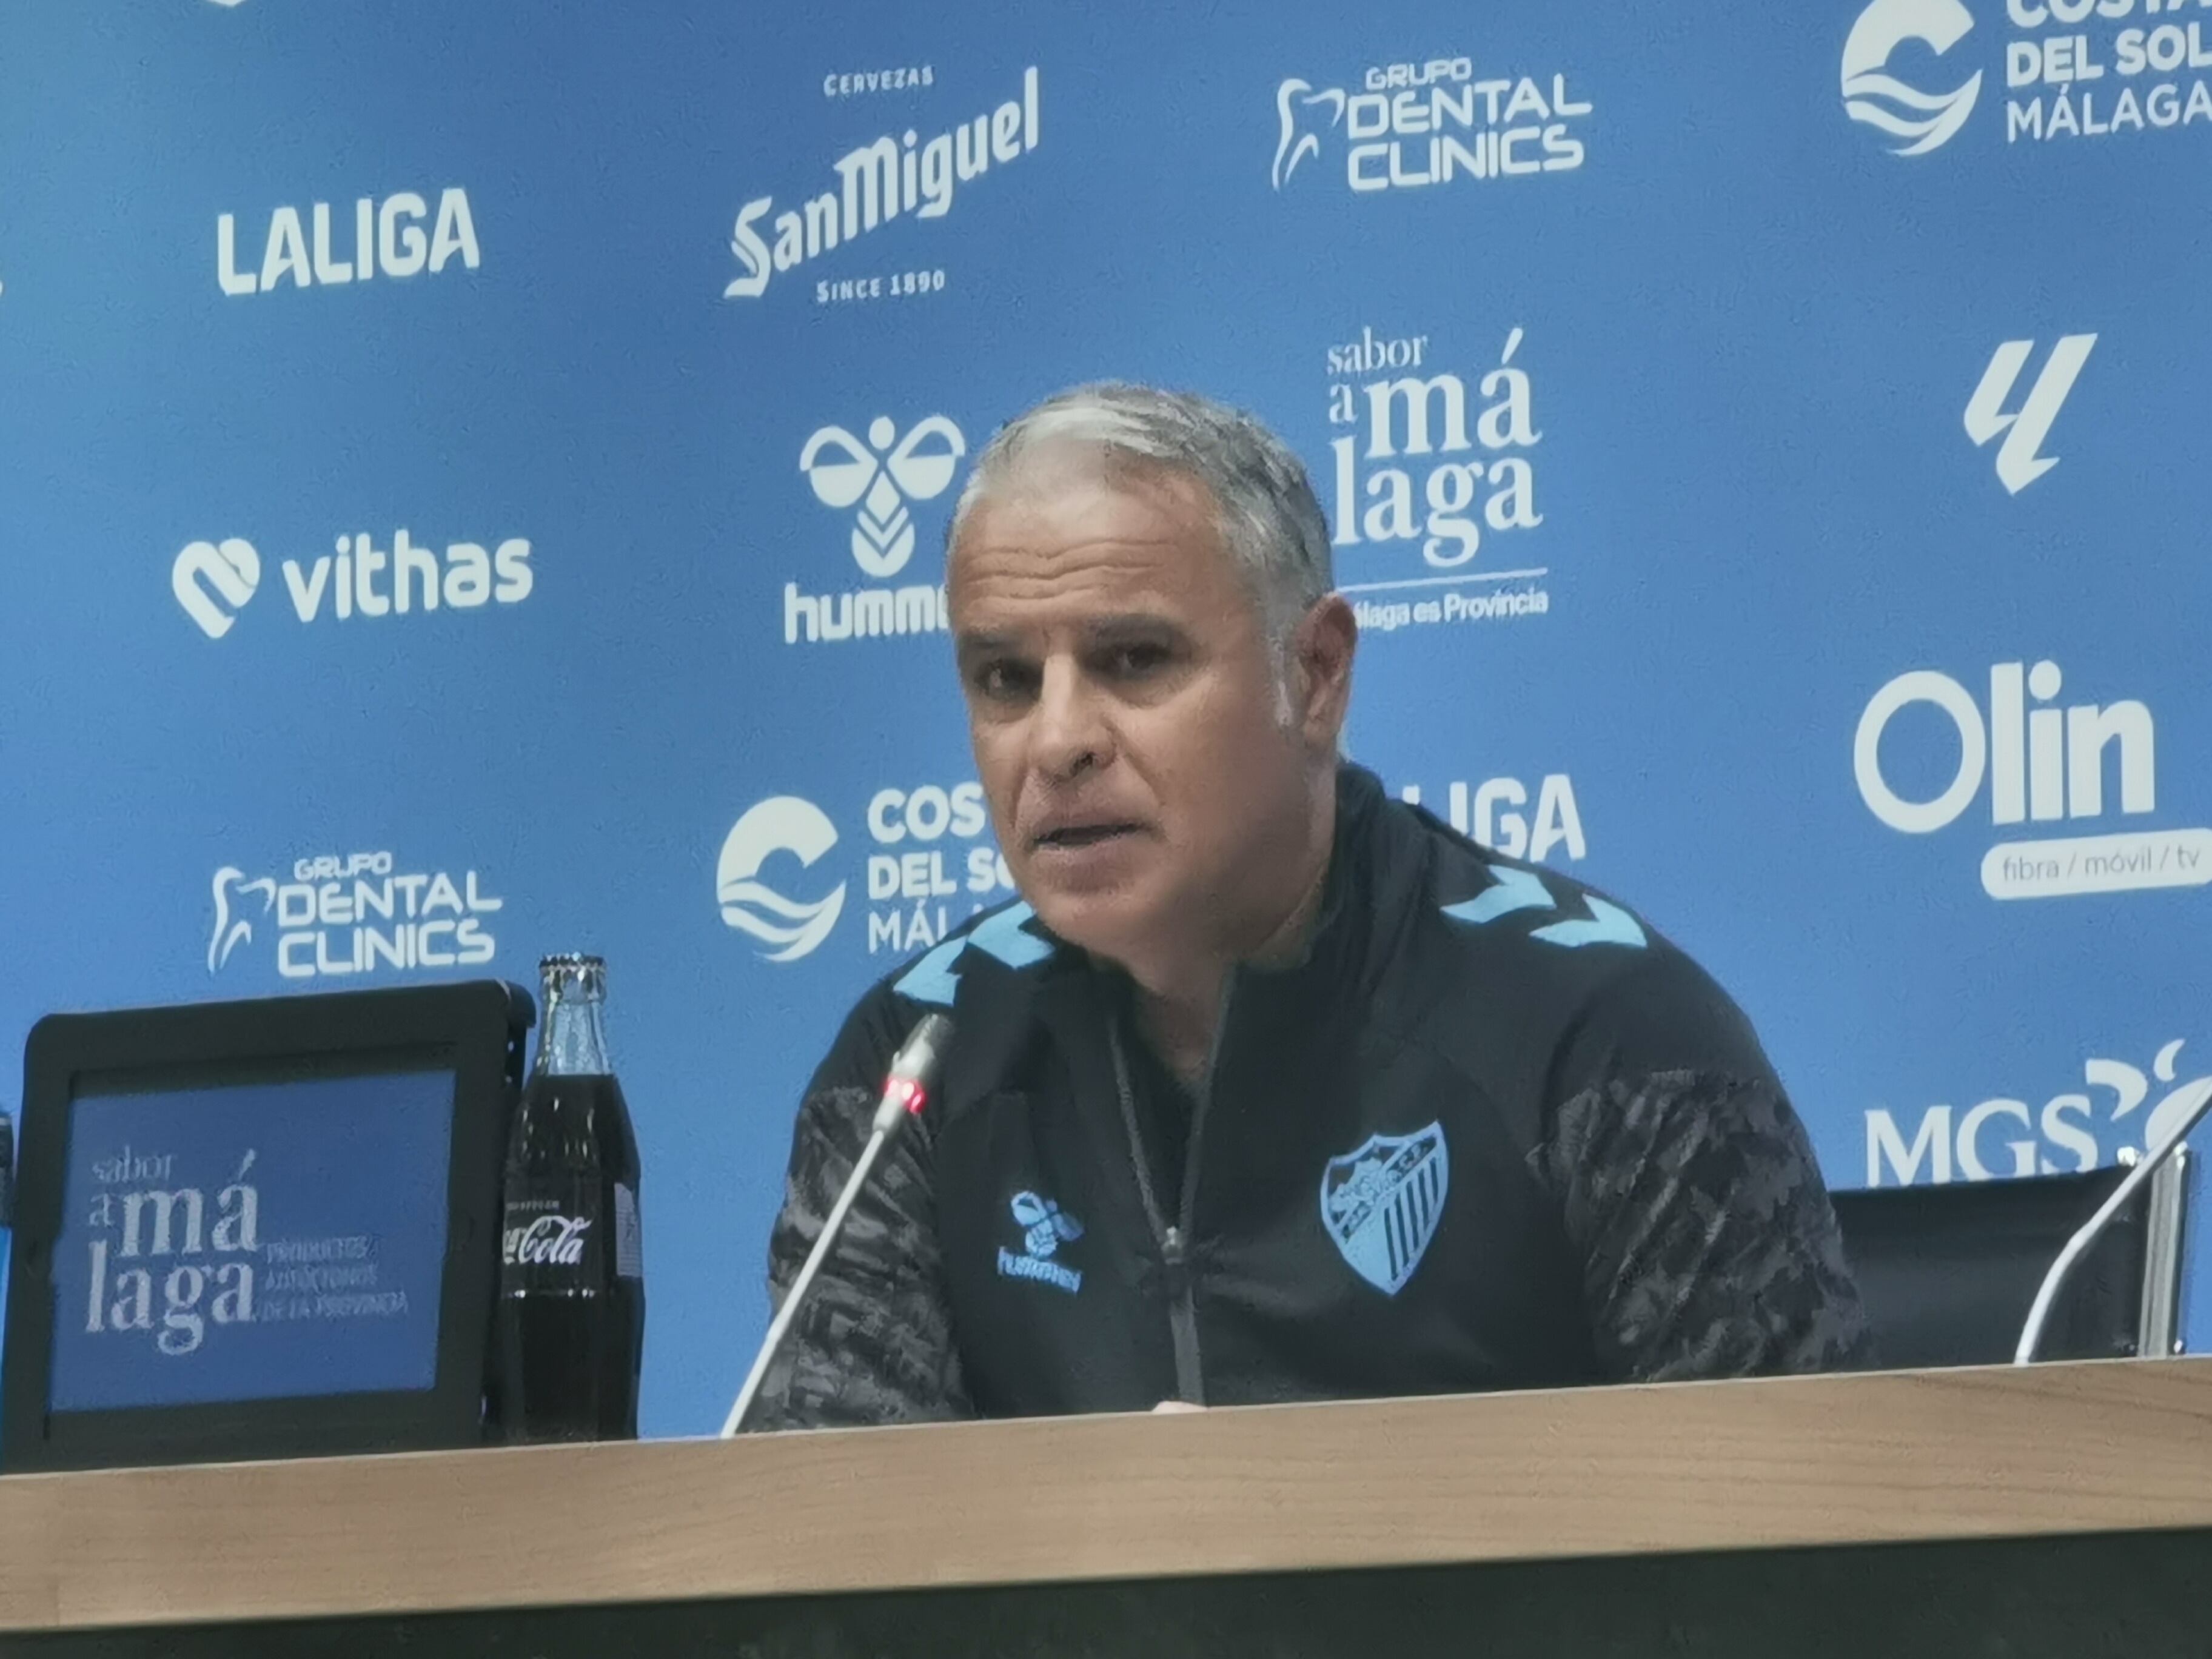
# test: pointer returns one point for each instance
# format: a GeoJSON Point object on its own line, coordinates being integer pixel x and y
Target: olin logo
{"type": "Point", "coordinates": [2019, 462]}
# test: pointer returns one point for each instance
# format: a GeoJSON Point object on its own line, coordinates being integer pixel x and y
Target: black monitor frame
{"type": "Point", "coordinates": [475, 1029]}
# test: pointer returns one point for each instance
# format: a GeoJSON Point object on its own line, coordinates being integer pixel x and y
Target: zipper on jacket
{"type": "Point", "coordinates": [1173, 1237]}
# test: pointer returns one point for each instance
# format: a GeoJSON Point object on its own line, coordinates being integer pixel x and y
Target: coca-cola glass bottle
{"type": "Point", "coordinates": [570, 1322]}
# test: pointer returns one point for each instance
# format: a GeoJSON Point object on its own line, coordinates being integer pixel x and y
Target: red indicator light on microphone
{"type": "Point", "coordinates": [911, 1094]}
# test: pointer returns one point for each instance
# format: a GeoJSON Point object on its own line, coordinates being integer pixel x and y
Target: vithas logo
{"type": "Point", "coordinates": [2019, 459]}
{"type": "Point", "coordinates": [214, 581]}
{"type": "Point", "coordinates": [1919, 121]}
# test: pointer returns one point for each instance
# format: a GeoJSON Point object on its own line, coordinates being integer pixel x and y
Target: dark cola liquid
{"type": "Point", "coordinates": [570, 1322]}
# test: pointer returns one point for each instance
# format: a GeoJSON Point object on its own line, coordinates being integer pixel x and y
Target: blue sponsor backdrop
{"type": "Point", "coordinates": [1726, 416]}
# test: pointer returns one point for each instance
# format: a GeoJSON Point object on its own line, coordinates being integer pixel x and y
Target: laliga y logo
{"type": "Point", "coordinates": [2020, 462]}
{"type": "Point", "coordinates": [2066, 1126]}
{"type": "Point", "coordinates": [1420, 435]}
{"type": "Point", "coordinates": [908, 888]}
{"type": "Point", "coordinates": [353, 915]}
{"type": "Point", "coordinates": [2043, 764]}
{"type": "Point", "coordinates": [1409, 126]}
{"type": "Point", "coordinates": [878, 478]}
{"type": "Point", "coordinates": [1920, 121]}
{"type": "Point", "coordinates": [213, 580]}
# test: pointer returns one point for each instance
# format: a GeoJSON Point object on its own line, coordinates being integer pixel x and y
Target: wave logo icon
{"type": "Point", "coordinates": [232, 931]}
{"type": "Point", "coordinates": [1292, 146]}
{"type": "Point", "coordinates": [786, 928]}
{"type": "Point", "coordinates": [1921, 121]}
{"type": "Point", "coordinates": [882, 476]}
{"type": "Point", "coordinates": [209, 576]}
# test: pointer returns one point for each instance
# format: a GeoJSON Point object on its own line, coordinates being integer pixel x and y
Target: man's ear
{"type": "Point", "coordinates": [1322, 649]}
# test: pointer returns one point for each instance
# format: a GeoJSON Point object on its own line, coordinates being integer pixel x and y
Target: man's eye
{"type": "Point", "coordinates": [1134, 661]}
{"type": "Point", "coordinates": [1000, 681]}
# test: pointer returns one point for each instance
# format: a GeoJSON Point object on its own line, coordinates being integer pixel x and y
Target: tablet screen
{"type": "Point", "coordinates": [254, 1241]}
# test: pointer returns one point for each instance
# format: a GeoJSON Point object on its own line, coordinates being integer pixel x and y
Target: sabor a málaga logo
{"type": "Point", "coordinates": [1429, 463]}
{"type": "Point", "coordinates": [1409, 126]}
{"type": "Point", "coordinates": [876, 478]}
{"type": "Point", "coordinates": [359, 914]}
{"type": "Point", "coordinates": [212, 581]}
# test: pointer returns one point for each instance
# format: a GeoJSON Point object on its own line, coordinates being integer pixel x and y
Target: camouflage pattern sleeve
{"type": "Point", "coordinates": [1691, 1193]}
{"type": "Point", "coordinates": [1708, 1244]}
{"type": "Point", "coordinates": [874, 1342]}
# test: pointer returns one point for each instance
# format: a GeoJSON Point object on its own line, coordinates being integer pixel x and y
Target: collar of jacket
{"type": "Point", "coordinates": [1366, 905]}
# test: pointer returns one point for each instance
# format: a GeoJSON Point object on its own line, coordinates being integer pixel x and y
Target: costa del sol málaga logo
{"type": "Point", "coordinates": [786, 928]}
{"type": "Point", "coordinates": [1919, 121]}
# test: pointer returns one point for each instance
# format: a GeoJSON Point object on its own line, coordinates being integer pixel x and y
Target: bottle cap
{"type": "Point", "coordinates": [573, 974]}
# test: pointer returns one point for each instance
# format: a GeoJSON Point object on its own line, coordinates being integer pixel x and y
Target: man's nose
{"type": "Point", "coordinates": [1069, 735]}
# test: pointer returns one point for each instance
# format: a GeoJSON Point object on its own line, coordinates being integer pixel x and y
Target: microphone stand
{"type": "Point", "coordinates": [911, 1074]}
{"type": "Point", "coordinates": [2047, 1294]}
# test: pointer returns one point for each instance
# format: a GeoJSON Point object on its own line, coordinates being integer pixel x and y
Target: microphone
{"type": "Point", "coordinates": [906, 1091]}
{"type": "Point", "coordinates": [2047, 1294]}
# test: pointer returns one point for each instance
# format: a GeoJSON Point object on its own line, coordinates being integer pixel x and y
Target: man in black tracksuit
{"type": "Point", "coordinates": [1282, 1090]}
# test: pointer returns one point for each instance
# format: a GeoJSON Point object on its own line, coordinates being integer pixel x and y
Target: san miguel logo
{"type": "Point", "coordinates": [888, 178]}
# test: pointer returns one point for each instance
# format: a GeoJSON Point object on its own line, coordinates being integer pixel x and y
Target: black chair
{"type": "Point", "coordinates": [1948, 1274]}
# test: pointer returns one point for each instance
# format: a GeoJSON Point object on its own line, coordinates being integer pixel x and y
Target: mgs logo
{"type": "Point", "coordinates": [786, 928]}
{"type": "Point", "coordinates": [882, 476]}
{"type": "Point", "coordinates": [2076, 1129]}
{"type": "Point", "coordinates": [1920, 121]}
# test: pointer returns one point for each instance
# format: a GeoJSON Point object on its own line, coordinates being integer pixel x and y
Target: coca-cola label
{"type": "Point", "coordinates": [556, 1241]}
{"type": "Point", "coordinates": [550, 1237]}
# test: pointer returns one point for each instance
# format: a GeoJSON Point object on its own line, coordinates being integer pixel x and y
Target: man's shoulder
{"type": "Point", "coordinates": [1500, 915]}
{"type": "Point", "coordinates": [1505, 953]}
{"type": "Point", "coordinates": [980, 973]}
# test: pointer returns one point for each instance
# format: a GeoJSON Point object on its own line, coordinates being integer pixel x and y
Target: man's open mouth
{"type": "Point", "coordinates": [1083, 834]}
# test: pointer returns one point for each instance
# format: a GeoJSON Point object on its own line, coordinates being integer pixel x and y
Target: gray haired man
{"type": "Point", "coordinates": [1269, 1087]}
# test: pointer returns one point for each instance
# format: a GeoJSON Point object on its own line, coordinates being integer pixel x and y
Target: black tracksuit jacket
{"type": "Point", "coordinates": [1493, 1131]}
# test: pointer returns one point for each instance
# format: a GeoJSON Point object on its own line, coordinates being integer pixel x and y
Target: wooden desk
{"type": "Point", "coordinates": [2063, 1510]}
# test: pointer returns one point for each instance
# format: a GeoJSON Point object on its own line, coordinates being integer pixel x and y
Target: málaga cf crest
{"type": "Point", "coordinates": [1382, 1203]}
